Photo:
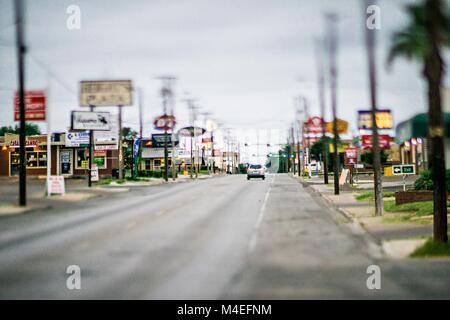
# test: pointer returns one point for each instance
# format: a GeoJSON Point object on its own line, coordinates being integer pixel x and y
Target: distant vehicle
{"type": "Point", "coordinates": [255, 171]}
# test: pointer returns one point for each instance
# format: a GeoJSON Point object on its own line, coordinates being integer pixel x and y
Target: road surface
{"type": "Point", "coordinates": [223, 237]}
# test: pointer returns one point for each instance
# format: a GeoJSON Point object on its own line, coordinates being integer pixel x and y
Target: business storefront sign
{"type": "Point", "coordinates": [106, 147]}
{"type": "Point", "coordinates": [158, 140]}
{"type": "Point", "coordinates": [35, 103]}
{"type": "Point", "coordinates": [85, 120]}
{"type": "Point", "coordinates": [384, 141]}
{"type": "Point", "coordinates": [383, 118]}
{"type": "Point", "coordinates": [12, 141]}
{"type": "Point", "coordinates": [77, 139]}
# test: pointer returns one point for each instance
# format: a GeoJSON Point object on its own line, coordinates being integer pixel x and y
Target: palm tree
{"type": "Point", "coordinates": [422, 39]}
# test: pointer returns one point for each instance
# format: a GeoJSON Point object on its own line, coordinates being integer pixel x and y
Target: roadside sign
{"type": "Point", "coordinates": [350, 156]}
{"type": "Point", "coordinates": [158, 140]}
{"type": "Point", "coordinates": [94, 173]}
{"type": "Point", "coordinates": [358, 166]}
{"type": "Point", "coordinates": [342, 126]}
{"type": "Point", "coordinates": [86, 120]}
{"type": "Point", "coordinates": [383, 118]}
{"type": "Point", "coordinates": [405, 169]}
{"type": "Point", "coordinates": [55, 185]}
{"type": "Point", "coordinates": [106, 93]}
{"type": "Point", "coordinates": [314, 125]}
{"type": "Point", "coordinates": [165, 122]}
{"type": "Point", "coordinates": [35, 103]}
{"type": "Point", "coordinates": [383, 139]}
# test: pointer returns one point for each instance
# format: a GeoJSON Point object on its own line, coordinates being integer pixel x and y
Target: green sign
{"type": "Point", "coordinates": [408, 169]}
{"type": "Point", "coordinates": [405, 169]}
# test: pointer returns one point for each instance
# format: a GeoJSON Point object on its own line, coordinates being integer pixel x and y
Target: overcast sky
{"type": "Point", "coordinates": [245, 60]}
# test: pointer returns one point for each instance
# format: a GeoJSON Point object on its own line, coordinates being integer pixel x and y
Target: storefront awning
{"type": "Point", "coordinates": [417, 127]}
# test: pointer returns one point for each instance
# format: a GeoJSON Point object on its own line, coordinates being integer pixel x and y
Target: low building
{"type": "Point", "coordinates": [412, 134]}
{"type": "Point", "coordinates": [67, 159]}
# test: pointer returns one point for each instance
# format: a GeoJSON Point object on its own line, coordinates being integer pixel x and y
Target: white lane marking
{"type": "Point", "coordinates": [254, 238]}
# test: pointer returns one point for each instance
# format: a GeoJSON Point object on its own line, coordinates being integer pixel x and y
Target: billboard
{"type": "Point", "coordinates": [86, 120]}
{"type": "Point", "coordinates": [106, 93]}
{"type": "Point", "coordinates": [384, 140]}
{"type": "Point", "coordinates": [384, 119]}
{"type": "Point", "coordinates": [342, 126]}
{"type": "Point", "coordinates": [35, 103]}
{"type": "Point", "coordinates": [314, 125]}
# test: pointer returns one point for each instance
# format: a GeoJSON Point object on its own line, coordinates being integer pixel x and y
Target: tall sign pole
{"type": "Point", "coordinates": [321, 85]}
{"type": "Point", "coordinates": [121, 175]}
{"type": "Point", "coordinates": [21, 76]}
{"type": "Point", "coordinates": [91, 152]}
{"type": "Point", "coordinates": [377, 176]}
{"type": "Point", "coordinates": [332, 43]}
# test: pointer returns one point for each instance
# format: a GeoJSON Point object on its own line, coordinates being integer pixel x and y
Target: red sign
{"type": "Point", "coordinates": [350, 156]}
{"type": "Point", "coordinates": [314, 125]}
{"type": "Point", "coordinates": [34, 106]}
{"type": "Point", "coordinates": [384, 140]}
{"type": "Point", "coordinates": [165, 122]}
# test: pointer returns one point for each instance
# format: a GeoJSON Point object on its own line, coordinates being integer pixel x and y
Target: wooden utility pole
{"type": "Point", "coordinates": [434, 72]}
{"type": "Point", "coordinates": [321, 86]}
{"type": "Point", "coordinates": [377, 174]}
{"type": "Point", "coordinates": [332, 50]}
{"type": "Point", "coordinates": [21, 77]}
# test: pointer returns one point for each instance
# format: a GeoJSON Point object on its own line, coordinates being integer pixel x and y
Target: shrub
{"type": "Point", "coordinates": [425, 181]}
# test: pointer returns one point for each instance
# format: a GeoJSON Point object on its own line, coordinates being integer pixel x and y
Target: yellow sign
{"type": "Point", "coordinates": [384, 119]}
{"type": "Point", "coordinates": [388, 172]}
{"type": "Point", "coordinates": [342, 126]}
{"type": "Point", "coordinates": [341, 148]}
{"type": "Point", "coordinates": [84, 164]}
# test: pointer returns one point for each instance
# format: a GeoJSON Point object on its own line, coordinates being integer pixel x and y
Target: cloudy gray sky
{"type": "Point", "coordinates": [244, 60]}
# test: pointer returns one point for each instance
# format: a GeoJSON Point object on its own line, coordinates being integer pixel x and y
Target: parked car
{"type": "Point", "coordinates": [255, 171]}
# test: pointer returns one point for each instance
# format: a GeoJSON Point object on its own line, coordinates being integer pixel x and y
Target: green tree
{"type": "Point", "coordinates": [128, 133]}
{"type": "Point", "coordinates": [421, 40]}
{"type": "Point", "coordinates": [31, 129]}
{"type": "Point", "coordinates": [367, 157]}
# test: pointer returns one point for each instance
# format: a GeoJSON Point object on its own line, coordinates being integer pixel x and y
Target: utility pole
{"type": "Point", "coordinates": [205, 115]}
{"type": "Point", "coordinates": [332, 50]}
{"type": "Point", "coordinates": [141, 105]}
{"type": "Point", "coordinates": [166, 95]}
{"type": "Point", "coordinates": [377, 176]}
{"type": "Point", "coordinates": [321, 86]}
{"type": "Point", "coordinates": [91, 147]}
{"type": "Point", "coordinates": [21, 49]}
{"type": "Point", "coordinates": [434, 72]}
{"type": "Point", "coordinates": [192, 117]}
{"type": "Point", "coordinates": [121, 175]}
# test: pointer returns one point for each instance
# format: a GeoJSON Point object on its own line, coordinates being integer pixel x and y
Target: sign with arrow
{"type": "Point", "coordinates": [403, 170]}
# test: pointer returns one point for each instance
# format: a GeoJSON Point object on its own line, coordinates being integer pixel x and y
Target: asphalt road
{"type": "Point", "coordinates": [224, 237]}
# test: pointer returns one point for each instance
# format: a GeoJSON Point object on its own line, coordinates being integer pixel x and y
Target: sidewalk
{"type": "Point", "coordinates": [398, 240]}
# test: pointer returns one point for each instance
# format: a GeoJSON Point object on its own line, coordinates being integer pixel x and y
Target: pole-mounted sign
{"type": "Point", "coordinates": [85, 120]}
